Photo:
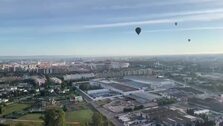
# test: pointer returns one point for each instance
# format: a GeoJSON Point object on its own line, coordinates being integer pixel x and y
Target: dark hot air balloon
{"type": "Point", "coordinates": [175, 23]}
{"type": "Point", "coordinates": [138, 30]}
{"type": "Point", "coordinates": [189, 40]}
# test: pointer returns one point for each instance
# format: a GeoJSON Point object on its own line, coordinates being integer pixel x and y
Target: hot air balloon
{"type": "Point", "coordinates": [138, 30]}
{"type": "Point", "coordinates": [189, 40]}
{"type": "Point", "coordinates": [175, 23]}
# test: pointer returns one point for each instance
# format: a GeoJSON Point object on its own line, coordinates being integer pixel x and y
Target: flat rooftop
{"type": "Point", "coordinates": [134, 84]}
{"type": "Point", "coordinates": [167, 115]}
{"type": "Point", "coordinates": [104, 94]}
{"type": "Point", "coordinates": [121, 87]}
{"type": "Point", "coordinates": [146, 79]}
{"type": "Point", "coordinates": [209, 103]}
{"type": "Point", "coordinates": [144, 96]}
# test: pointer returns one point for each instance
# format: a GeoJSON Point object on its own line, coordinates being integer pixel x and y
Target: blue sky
{"type": "Point", "coordinates": [106, 27]}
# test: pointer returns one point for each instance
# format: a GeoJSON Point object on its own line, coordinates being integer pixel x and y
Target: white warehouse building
{"type": "Point", "coordinates": [78, 76]}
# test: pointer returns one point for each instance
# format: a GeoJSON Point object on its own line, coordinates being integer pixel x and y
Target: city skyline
{"type": "Point", "coordinates": [106, 28]}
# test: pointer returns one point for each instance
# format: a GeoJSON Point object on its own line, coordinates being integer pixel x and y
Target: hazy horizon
{"type": "Point", "coordinates": [80, 56]}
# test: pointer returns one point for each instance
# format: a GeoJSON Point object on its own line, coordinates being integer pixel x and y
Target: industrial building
{"type": "Point", "coordinates": [157, 116]}
{"type": "Point", "coordinates": [155, 82]}
{"type": "Point", "coordinates": [144, 97]}
{"type": "Point", "coordinates": [115, 86]}
{"type": "Point", "coordinates": [78, 76]}
{"type": "Point", "coordinates": [101, 94]}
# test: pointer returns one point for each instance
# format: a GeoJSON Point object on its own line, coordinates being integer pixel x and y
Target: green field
{"type": "Point", "coordinates": [24, 120]}
{"type": "Point", "coordinates": [15, 107]}
{"type": "Point", "coordinates": [31, 117]}
{"type": "Point", "coordinates": [81, 116]}
{"type": "Point", "coordinates": [26, 124]}
{"type": "Point", "coordinates": [103, 102]}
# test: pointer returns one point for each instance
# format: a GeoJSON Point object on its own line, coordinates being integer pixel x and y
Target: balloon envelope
{"type": "Point", "coordinates": [176, 23]}
{"type": "Point", "coordinates": [189, 40]}
{"type": "Point", "coordinates": [138, 30]}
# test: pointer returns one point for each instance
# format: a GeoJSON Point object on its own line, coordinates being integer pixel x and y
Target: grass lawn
{"type": "Point", "coordinates": [35, 117]}
{"type": "Point", "coordinates": [25, 124]}
{"type": "Point", "coordinates": [103, 102]}
{"type": "Point", "coordinates": [31, 117]}
{"type": "Point", "coordinates": [14, 108]}
{"type": "Point", "coordinates": [81, 116]}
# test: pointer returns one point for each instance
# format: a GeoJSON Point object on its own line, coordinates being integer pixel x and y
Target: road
{"type": "Point", "coordinates": [109, 115]}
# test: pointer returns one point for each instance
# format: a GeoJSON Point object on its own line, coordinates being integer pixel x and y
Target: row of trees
{"type": "Point", "coordinates": [166, 101]}
{"type": "Point", "coordinates": [86, 87]}
{"type": "Point", "coordinates": [133, 109]}
{"type": "Point", "coordinates": [2, 108]}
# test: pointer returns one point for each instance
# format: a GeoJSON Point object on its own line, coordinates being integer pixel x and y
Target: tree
{"type": "Point", "coordinates": [1, 109]}
{"type": "Point", "coordinates": [29, 81]}
{"type": "Point", "coordinates": [165, 101]}
{"type": "Point", "coordinates": [54, 117]}
{"type": "Point", "coordinates": [4, 125]}
{"type": "Point", "coordinates": [204, 117]}
{"type": "Point", "coordinates": [127, 110]}
{"type": "Point", "coordinates": [98, 119]}
{"type": "Point", "coordinates": [221, 124]}
{"type": "Point", "coordinates": [84, 87]}
{"type": "Point", "coordinates": [86, 124]}
{"type": "Point", "coordinates": [190, 111]}
{"type": "Point", "coordinates": [65, 108]}
{"type": "Point", "coordinates": [20, 124]}
{"type": "Point", "coordinates": [63, 85]}
{"type": "Point", "coordinates": [138, 107]}
{"type": "Point", "coordinates": [206, 121]}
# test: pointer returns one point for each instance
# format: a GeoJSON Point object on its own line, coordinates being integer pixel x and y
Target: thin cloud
{"type": "Point", "coordinates": [152, 4]}
{"type": "Point", "coordinates": [195, 17]}
{"type": "Point", "coordinates": [73, 28]}
{"type": "Point", "coordinates": [192, 16]}
{"type": "Point", "coordinates": [171, 14]}
{"type": "Point", "coordinates": [185, 29]}
{"type": "Point", "coordinates": [122, 24]}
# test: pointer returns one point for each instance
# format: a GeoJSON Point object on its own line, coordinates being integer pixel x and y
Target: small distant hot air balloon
{"type": "Point", "coordinates": [189, 40]}
{"type": "Point", "coordinates": [175, 23]}
{"type": "Point", "coordinates": [138, 30]}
